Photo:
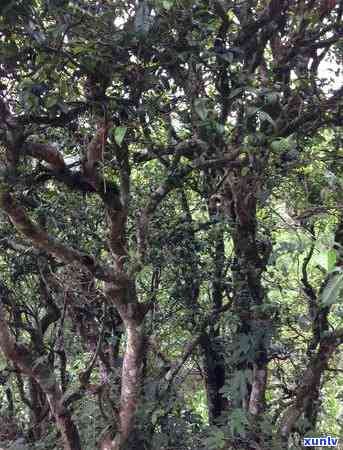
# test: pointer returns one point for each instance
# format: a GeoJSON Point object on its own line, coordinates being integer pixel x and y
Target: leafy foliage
{"type": "Point", "coordinates": [171, 224]}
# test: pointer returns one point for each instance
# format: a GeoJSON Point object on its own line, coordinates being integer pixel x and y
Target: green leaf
{"type": "Point", "coordinates": [216, 440]}
{"type": "Point", "coordinates": [238, 421]}
{"type": "Point", "coordinates": [119, 134]}
{"type": "Point", "coordinates": [32, 102]}
{"type": "Point", "coordinates": [51, 102]}
{"type": "Point", "coordinates": [160, 440]}
{"type": "Point", "coordinates": [63, 107]}
{"type": "Point", "coordinates": [245, 171]}
{"type": "Point", "coordinates": [331, 260]}
{"type": "Point", "coordinates": [277, 145]}
{"type": "Point", "coordinates": [220, 128]}
{"type": "Point", "coordinates": [78, 49]}
{"type": "Point", "coordinates": [265, 116]}
{"type": "Point", "coordinates": [332, 290]}
{"type": "Point", "coordinates": [282, 144]}
{"type": "Point", "coordinates": [327, 259]}
{"type": "Point", "coordinates": [156, 415]}
{"type": "Point", "coordinates": [200, 106]}
{"type": "Point", "coordinates": [167, 4]}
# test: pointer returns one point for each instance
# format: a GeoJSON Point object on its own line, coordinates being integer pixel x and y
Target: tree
{"type": "Point", "coordinates": [118, 120]}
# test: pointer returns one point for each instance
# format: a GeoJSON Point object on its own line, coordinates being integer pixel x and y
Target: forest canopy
{"type": "Point", "coordinates": [171, 224]}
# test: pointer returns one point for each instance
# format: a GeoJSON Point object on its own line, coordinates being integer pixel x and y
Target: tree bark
{"type": "Point", "coordinates": [132, 313]}
{"type": "Point", "coordinates": [131, 379]}
{"type": "Point", "coordinates": [310, 382]}
{"type": "Point", "coordinates": [253, 332]}
{"type": "Point", "coordinates": [250, 260]}
{"type": "Point", "coordinates": [130, 391]}
{"type": "Point", "coordinates": [214, 371]}
{"type": "Point", "coordinates": [40, 371]}
{"type": "Point", "coordinates": [213, 353]}
{"type": "Point", "coordinates": [38, 405]}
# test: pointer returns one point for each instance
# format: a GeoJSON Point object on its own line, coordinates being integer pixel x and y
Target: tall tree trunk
{"type": "Point", "coordinates": [132, 314]}
{"type": "Point", "coordinates": [212, 350]}
{"type": "Point", "coordinates": [131, 385]}
{"type": "Point", "coordinates": [251, 256]}
{"type": "Point", "coordinates": [38, 405]}
{"type": "Point", "coordinates": [131, 379]}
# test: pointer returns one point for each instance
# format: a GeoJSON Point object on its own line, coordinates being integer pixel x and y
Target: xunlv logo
{"type": "Point", "coordinates": [321, 442]}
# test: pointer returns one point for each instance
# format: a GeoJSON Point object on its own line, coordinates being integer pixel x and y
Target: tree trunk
{"type": "Point", "coordinates": [132, 314]}
{"type": "Point", "coordinates": [131, 384]}
{"type": "Point", "coordinates": [253, 333]}
{"type": "Point", "coordinates": [41, 372]}
{"type": "Point", "coordinates": [38, 405]}
{"type": "Point", "coordinates": [212, 351]}
{"type": "Point", "coordinates": [131, 379]}
{"type": "Point", "coordinates": [214, 370]}
{"type": "Point", "coordinates": [310, 382]}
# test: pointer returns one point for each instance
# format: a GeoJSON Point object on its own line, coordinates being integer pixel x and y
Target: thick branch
{"type": "Point", "coordinates": [314, 116]}
{"type": "Point", "coordinates": [188, 148]}
{"type": "Point", "coordinates": [310, 380]}
{"type": "Point", "coordinates": [56, 121]}
{"type": "Point", "coordinates": [47, 153]}
{"type": "Point", "coordinates": [51, 245]}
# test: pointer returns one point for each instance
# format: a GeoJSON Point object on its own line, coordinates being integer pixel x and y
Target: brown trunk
{"type": "Point", "coordinates": [131, 379]}
{"type": "Point", "coordinates": [70, 434]}
{"type": "Point", "coordinates": [310, 382]}
{"type": "Point", "coordinates": [40, 371]}
{"type": "Point", "coordinates": [132, 314]}
{"type": "Point", "coordinates": [258, 389]}
{"type": "Point", "coordinates": [253, 333]}
{"type": "Point", "coordinates": [131, 384]}
{"type": "Point", "coordinates": [38, 405]}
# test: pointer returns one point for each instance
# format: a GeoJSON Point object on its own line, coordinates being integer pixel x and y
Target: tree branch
{"type": "Point", "coordinates": [52, 246]}
{"type": "Point", "coordinates": [310, 380]}
{"type": "Point", "coordinates": [41, 372]}
{"type": "Point", "coordinates": [173, 181]}
{"type": "Point", "coordinates": [47, 153]}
